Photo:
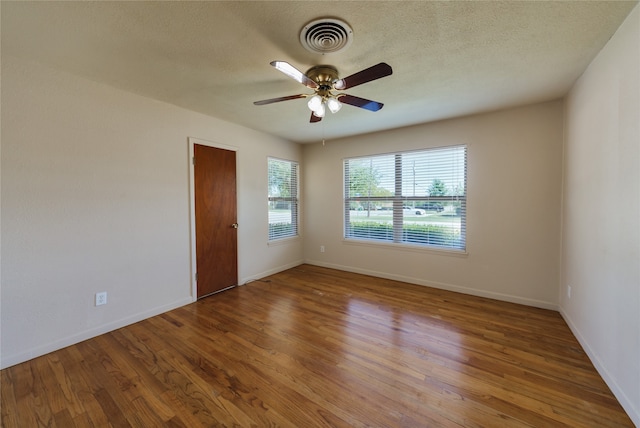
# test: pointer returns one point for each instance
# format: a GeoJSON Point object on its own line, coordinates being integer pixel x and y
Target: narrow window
{"type": "Point", "coordinates": [282, 198]}
{"type": "Point", "coordinates": [412, 198]}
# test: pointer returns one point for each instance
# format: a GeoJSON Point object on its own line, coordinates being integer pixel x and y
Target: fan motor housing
{"type": "Point", "coordinates": [323, 75]}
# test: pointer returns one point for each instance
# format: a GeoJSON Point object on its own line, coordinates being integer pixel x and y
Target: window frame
{"type": "Point", "coordinates": [294, 200]}
{"type": "Point", "coordinates": [399, 201]}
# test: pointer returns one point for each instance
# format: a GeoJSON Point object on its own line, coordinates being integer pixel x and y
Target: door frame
{"type": "Point", "coordinates": [192, 205]}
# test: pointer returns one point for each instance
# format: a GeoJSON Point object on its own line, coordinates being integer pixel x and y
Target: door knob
{"type": "Point", "coordinates": [234, 225]}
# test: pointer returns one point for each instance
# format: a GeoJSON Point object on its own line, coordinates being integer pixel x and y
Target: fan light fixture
{"type": "Point", "coordinates": [315, 102]}
{"type": "Point", "coordinates": [318, 105]}
{"type": "Point", "coordinates": [334, 105]}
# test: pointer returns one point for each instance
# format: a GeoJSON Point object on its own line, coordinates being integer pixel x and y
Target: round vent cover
{"type": "Point", "coordinates": [326, 35]}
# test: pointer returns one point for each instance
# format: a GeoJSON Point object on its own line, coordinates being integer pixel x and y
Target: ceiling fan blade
{"type": "Point", "coordinates": [275, 100]}
{"type": "Point", "coordinates": [294, 73]}
{"type": "Point", "coordinates": [367, 75]}
{"type": "Point", "coordinates": [314, 118]}
{"type": "Point", "coordinates": [360, 102]}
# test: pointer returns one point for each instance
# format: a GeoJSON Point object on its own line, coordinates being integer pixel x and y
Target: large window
{"type": "Point", "coordinates": [283, 198]}
{"type": "Point", "coordinates": [416, 198]}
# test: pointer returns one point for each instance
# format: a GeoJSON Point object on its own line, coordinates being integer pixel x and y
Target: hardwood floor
{"type": "Point", "coordinates": [313, 347]}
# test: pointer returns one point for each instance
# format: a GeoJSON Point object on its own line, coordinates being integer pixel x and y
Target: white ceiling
{"type": "Point", "coordinates": [449, 58]}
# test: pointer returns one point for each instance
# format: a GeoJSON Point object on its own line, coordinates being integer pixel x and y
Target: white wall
{"type": "Point", "coordinates": [95, 197]}
{"type": "Point", "coordinates": [601, 213]}
{"type": "Point", "coordinates": [514, 192]}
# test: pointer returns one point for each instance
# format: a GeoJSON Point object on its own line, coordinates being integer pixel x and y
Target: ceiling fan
{"type": "Point", "coordinates": [323, 79]}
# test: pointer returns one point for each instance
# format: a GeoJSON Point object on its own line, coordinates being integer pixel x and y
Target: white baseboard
{"type": "Point", "coordinates": [631, 408]}
{"type": "Point", "coordinates": [11, 360]}
{"type": "Point", "coordinates": [275, 270]}
{"type": "Point", "coordinates": [441, 285]}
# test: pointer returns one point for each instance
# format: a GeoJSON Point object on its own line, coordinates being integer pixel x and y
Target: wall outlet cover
{"type": "Point", "coordinates": [101, 298]}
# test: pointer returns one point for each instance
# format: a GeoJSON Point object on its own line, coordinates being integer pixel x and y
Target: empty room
{"type": "Point", "coordinates": [320, 213]}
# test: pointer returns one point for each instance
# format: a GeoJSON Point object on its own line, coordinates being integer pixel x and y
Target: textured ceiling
{"type": "Point", "coordinates": [449, 58]}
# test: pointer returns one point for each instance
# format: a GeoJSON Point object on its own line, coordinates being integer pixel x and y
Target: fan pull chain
{"type": "Point", "coordinates": [323, 134]}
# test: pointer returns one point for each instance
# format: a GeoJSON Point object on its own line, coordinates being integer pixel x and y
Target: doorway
{"type": "Point", "coordinates": [214, 207]}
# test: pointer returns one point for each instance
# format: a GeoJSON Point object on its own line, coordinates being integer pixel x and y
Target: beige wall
{"type": "Point", "coordinates": [601, 206]}
{"type": "Point", "coordinates": [95, 197]}
{"type": "Point", "coordinates": [513, 227]}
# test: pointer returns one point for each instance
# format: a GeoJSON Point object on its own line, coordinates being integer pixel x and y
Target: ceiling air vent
{"type": "Point", "coordinates": [326, 35]}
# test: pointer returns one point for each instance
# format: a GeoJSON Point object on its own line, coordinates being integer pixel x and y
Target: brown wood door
{"type": "Point", "coordinates": [216, 219]}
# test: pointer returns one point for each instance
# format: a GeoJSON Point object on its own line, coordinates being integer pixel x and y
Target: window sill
{"type": "Point", "coordinates": [405, 247]}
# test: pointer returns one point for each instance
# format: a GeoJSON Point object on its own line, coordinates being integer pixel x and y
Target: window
{"type": "Point", "coordinates": [416, 198]}
{"type": "Point", "coordinates": [283, 199]}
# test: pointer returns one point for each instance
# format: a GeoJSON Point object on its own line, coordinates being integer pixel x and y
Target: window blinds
{"type": "Point", "coordinates": [416, 197]}
{"type": "Point", "coordinates": [282, 198]}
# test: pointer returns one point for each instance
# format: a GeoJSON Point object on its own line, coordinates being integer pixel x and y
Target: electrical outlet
{"type": "Point", "coordinates": [568, 291]}
{"type": "Point", "coordinates": [101, 298]}
{"type": "Point", "coordinates": [322, 248]}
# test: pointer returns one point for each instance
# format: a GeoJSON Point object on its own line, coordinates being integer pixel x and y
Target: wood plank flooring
{"type": "Point", "coordinates": [315, 347]}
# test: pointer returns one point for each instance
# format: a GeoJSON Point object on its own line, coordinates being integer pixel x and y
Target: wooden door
{"type": "Point", "coordinates": [216, 219]}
